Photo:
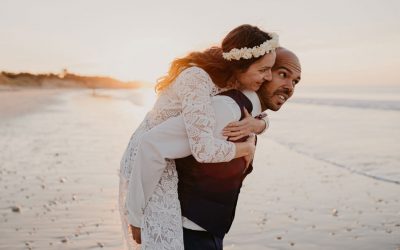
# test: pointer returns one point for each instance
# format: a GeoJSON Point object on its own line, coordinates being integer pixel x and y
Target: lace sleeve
{"type": "Point", "coordinates": [194, 88]}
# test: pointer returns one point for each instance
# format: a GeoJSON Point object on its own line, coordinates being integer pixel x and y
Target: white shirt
{"type": "Point", "coordinates": [169, 140]}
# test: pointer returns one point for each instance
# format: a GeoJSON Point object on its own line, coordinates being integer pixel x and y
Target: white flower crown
{"type": "Point", "coordinates": [256, 51]}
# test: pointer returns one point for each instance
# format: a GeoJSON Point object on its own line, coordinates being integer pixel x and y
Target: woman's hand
{"type": "Point", "coordinates": [136, 234]}
{"type": "Point", "coordinates": [245, 127]}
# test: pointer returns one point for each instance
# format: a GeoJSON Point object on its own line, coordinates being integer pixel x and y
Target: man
{"type": "Point", "coordinates": [208, 192]}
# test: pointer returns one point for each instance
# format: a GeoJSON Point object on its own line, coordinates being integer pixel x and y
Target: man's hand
{"type": "Point", "coordinates": [249, 158]}
{"type": "Point", "coordinates": [136, 234]}
{"type": "Point", "coordinates": [240, 129]}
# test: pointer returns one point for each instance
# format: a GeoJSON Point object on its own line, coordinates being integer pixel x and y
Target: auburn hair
{"type": "Point", "coordinates": [211, 60]}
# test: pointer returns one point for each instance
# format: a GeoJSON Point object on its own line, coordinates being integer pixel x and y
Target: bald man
{"type": "Point", "coordinates": [286, 73]}
{"type": "Point", "coordinates": [204, 228]}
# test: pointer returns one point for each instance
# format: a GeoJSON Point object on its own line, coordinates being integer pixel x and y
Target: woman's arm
{"type": "Point", "coordinates": [194, 89]}
{"type": "Point", "coordinates": [247, 126]}
{"type": "Point", "coordinates": [169, 140]}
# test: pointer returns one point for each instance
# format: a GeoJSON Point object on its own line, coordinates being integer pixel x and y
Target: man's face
{"type": "Point", "coordinates": [275, 93]}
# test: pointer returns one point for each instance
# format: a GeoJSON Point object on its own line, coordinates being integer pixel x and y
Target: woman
{"type": "Point", "coordinates": [187, 90]}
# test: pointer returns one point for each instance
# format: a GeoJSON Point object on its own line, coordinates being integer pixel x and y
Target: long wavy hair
{"type": "Point", "coordinates": [211, 60]}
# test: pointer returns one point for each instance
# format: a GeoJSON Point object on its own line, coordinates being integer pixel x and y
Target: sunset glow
{"type": "Point", "coordinates": [338, 42]}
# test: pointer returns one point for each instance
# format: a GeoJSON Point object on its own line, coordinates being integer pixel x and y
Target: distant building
{"type": "Point", "coordinates": [63, 73]}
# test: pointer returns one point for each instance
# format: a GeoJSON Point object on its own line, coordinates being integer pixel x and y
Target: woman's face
{"type": "Point", "coordinates": [257, 73]}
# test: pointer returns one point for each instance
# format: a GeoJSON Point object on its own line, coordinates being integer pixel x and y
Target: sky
{"type": "Point", "coordinates": [338, 42]}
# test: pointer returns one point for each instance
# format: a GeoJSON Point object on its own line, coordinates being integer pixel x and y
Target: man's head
{"type": "Point", "coordinates": [286, 73]}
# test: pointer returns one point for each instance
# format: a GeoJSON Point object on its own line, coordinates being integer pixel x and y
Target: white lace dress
{"type": "Point", "coordinates": [189, 95]}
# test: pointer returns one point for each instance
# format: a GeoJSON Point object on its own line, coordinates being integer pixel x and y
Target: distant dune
{"type": "Point", "coordinates": [66, 80]}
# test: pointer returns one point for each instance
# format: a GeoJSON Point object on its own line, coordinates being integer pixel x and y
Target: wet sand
{"type": "Point", "coordinates": [292, 201]}
{"type": "Point", "coordinates": [59, 166]}
{"type": "Point", "coordinates": [59, 171]}
{"type": "Point", "coordinates": [18, 101]}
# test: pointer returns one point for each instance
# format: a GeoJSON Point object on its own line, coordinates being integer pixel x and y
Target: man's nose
{"type": "Point", "coordinates": [289, 86]}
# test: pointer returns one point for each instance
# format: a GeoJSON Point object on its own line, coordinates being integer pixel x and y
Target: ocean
{"type": "Point", "coordinates": [351, 127]}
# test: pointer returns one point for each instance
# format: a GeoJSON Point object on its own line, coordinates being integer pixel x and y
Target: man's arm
{"type": "Point", "coordinates": [167, 140]}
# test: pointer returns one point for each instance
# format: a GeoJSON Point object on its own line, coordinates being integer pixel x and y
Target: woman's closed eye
{"type": "Point", "coordinates": [264, 70]}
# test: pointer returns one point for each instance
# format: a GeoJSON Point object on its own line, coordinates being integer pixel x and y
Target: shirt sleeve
{"type": "Point", "coordinates": [194, 87]}
{"type": "Point", "coordinates": [167, 140]}
{"type": "Point", "coordinates": [263, 116]}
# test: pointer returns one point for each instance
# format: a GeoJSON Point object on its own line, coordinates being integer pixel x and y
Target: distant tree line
{"type": "Point", "coordinates": [64, 80]}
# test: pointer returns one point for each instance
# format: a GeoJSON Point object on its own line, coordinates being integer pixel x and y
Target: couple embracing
{"type": "Point", "coordinates": [183, 168]}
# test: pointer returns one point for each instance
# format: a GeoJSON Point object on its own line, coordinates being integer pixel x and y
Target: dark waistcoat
{"type": "Point", "coordinates": [208, 192]}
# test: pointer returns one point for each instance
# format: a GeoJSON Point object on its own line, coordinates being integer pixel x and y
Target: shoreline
{"type": "Point", "coordinates": [19, 101]}
{"type": "Point", "coordinates": [311, 204]}
{"type": "Point", "coordinates": [59, 167]}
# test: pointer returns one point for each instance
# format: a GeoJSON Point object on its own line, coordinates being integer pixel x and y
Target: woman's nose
{"type": "Point", "coordinates": [268, 76]}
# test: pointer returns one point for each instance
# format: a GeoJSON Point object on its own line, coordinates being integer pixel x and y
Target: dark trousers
{"type": "Point", "coordinates": [200, 240]}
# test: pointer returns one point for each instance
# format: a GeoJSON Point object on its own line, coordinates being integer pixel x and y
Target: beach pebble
{"type": "Point", "coordinates": [64, 240]}
{"type": "Point", "coordinates": [16, 209]}
{"type": "Point", "coordinates": [279, 237]}
{"type": "Point", "coordinates": [100, 244]}
{"type": "Point", "coordinates": [335, 212]}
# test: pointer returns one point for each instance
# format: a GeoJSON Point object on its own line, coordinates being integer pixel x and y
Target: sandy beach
{"type": "Point", "coordinates": [59, 161]}
{"type": "Point", "coordinates": [59, 171]}
{"type": "Point", "coordinates": [19, 101]}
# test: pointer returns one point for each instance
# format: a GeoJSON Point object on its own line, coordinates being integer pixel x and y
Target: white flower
{"type": "Point", "coordinates": [256, 51]}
